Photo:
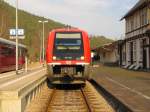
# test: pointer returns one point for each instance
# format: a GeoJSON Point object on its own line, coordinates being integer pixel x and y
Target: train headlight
{"type": "Point", "coordinates": [82, 58]}
{"type": "Point", "coordinates": [54, 57]}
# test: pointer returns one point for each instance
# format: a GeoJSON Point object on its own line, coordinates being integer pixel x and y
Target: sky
{"type": "Point", "coordinates": [97, 17]}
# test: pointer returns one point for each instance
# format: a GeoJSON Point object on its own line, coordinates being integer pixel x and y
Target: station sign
{"type": "Point", "coordinates": [19, 32]}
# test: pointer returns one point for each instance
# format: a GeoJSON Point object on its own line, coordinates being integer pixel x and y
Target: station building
{"type": "Point", "coordinates": [108, 53]}
{"type": "Point", "coordinates": [135, 48]}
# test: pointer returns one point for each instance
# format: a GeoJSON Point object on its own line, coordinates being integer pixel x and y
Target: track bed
{"type": "Point", "coordinates": [85, 99]}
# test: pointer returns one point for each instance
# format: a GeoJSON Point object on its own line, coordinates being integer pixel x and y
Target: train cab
{"type": "Point", "coordinates": [68, 56]}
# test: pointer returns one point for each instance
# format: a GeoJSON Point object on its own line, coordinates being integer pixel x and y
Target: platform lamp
{"type": "Point", "coordinates": [43, 47]}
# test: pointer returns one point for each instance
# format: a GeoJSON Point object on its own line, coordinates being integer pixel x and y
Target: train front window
{"type": "Point", "coordinates": [68, 45]}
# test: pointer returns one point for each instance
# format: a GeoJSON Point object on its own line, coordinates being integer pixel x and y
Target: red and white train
{"type": "Point", "coordinates": [68, 56]}
{"type": "Point", "coordinates": [8, 55]}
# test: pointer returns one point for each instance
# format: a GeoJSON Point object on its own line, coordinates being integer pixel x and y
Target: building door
{"type": "Point", "coordinates": [149, 55]}
{"type": "Point", "coordinates": [131, 52]}
{"type": "Point", "coordinates": [144, 54]}
{"type": "Point", "coordinates": [120, 48]}
{"type": "Point", "coordinates": [149, 52]}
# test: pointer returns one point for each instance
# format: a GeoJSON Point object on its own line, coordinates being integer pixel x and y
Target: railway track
{"type": "Point", "coordinates": [85, 99]}
{"type": "Point", "coordinates": [67, 100]}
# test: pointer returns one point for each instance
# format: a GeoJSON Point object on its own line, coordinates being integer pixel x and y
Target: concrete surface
{"type": "Point", "coordinates": [8, 76]}
{"type": "Point", "coordinates": [131, 88]}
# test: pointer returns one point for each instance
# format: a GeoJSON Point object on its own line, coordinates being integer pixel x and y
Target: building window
{"type": "Point", "coordinates": [141, 50]}
{"type": "Point", "coordinates": [136, 21]}
{"type": "Point", "coordinates": [128, 51]}
{"type": "Point", "coordinates": [143, 17]}
{"type": "Point", "coordinates": [132, 25]}
{"type": "Point", "coordinates": [134, 51]}
{"type": "Point", "coordinates": [126, 26]}
{"type": "Point", "coordinates": [124, 56]}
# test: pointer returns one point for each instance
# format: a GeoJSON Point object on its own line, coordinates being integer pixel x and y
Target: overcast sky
{"type": "Point", "coordinates": [100, 17]}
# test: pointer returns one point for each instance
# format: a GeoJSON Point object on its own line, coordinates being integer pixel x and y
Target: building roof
{"type": "Point", "coordinates": [107, 47]}
{"type": "Point", "coordinates": [138, 5]}
{"type": "Point", "coordinates": [5, 41]}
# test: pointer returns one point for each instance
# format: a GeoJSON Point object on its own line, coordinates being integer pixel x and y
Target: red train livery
{"type": "Point", "coordinates": [68, 56]}
{"type": "Point", "coordinates": [8, 55]}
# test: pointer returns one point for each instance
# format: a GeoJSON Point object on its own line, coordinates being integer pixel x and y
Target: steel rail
{"type": "Point", "coordinates": [86, 100]}
{"type": "Point", "coordinates": [51, 99]}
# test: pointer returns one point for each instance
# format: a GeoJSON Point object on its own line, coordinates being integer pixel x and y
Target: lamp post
{"type": "Point", "coordinates": [16, 36]}
{"type": "Point", "coordinates": [43, 47]}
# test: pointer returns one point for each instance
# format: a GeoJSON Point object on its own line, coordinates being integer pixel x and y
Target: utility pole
{"type": "Point", "coordinates": [43, 47]}
{"type": "Point", "coordinates": [16, 36]}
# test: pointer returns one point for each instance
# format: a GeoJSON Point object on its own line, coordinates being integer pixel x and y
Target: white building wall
{"type": "Point", "coordinates": [110, 57]}
{"type": "Point", "coordinates": [136, 26]}
{"type": "Point", "coordinates": [101, 57]}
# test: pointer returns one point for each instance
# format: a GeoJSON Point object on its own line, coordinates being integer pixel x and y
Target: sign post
{"type": "Point", "coordinates": [16, 37]}
{"type": "Point", "coordinates": [16, 34]}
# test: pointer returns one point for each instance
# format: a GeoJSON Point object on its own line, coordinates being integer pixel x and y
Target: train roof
{"type": "Point", "coordinates": [70, 29]}
{"type": "Point", "coordinates": [5, 41]}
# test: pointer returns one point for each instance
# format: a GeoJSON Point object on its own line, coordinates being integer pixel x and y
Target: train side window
{"type": "Point", "coordinates": [6, 51]}
{"type": "Point", "coordinates": [3, 51]}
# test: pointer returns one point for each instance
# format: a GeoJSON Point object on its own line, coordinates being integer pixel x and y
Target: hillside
{"type": "Point", "coordinates": [27, 21]}
{"type": "Point", "coordinates": [97, 41]}
{"type": "Point", "coordinates": [33, 29]}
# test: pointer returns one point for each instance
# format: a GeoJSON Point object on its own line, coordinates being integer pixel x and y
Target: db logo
{"type": "Point", "coordinates": [68, 62]}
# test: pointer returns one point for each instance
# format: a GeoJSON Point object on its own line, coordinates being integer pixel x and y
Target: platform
{"type": "Point", "coordinates": [16, 91]}
{"type": "Point", "coordinates": [8, 76]}
{"type": "Point", "coordinates": [129, 87]}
